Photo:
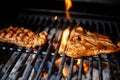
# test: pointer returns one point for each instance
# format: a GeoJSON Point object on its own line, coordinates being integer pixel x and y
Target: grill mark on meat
{"type": "Point", "coordinates": [23, 37]}
{"type": "Point", "coordinates": [8, 34]}
{"type": "Point", "coordinates": [27, 35]}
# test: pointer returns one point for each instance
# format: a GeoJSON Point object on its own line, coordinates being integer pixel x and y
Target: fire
{"type": "Point", "coordinates": [44, 75]}
{"type": "Point", "coordinates": [64, 40]}
{"type": "Point", "coordinates": [66, 67]}
{"type": "Point", "coordinates": [56, 17]}
{"type": "Point", "coordinates": [65, 70]}
{"type": "Point", "coordinates": [85, 65]}
{"type": "Point", "coordinates": [68, 5]}
{"type": "Point", "coordinates": [78, 62]}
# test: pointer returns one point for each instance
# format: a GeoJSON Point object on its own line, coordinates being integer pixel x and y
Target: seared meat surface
{"type": "Point", "coordinates": [22, 37]}
{"type": "Point", "coordinates": [85, 43]}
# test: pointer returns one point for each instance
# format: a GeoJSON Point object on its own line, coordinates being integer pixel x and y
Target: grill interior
{"type": "Point", "coordinates": [22, 63]}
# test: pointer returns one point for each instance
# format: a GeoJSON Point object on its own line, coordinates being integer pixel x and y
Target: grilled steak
{"type": "Point", "coordinates": [22, 37]}
{"type": "Point", "coordinates": [85, 43]}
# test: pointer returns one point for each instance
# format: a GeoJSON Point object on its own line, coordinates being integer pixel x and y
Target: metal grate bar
{"type": "Point", "coordinates": [55, 55]}
{"type": "Point", "coordinates": [110, 69]}
{"type": "Point", "coordinates": [53, 61]}
{"type": "Point", "coordinates": [91, 68]}
{"type": "Point", "coordinates": [100, 68]}
{"type": "Point", "coordinates": [99, 57]}
{"type": "Point", "coordinates": [70, 69]}
{"type": "Point", "coordinates": [80, 69]}
{"type": "Point", "coordinates": [118, 67]}
{"type": "Point", "coordinates": [61, 68]}
{"type": "Point", "coordinates": [18, 66]}
{"type": "Point", "coordinates": [30, 66]}
{"type": "Point", "coordinates": [10, 64]}
{"type": "Point", "coordinates": [45, 58]}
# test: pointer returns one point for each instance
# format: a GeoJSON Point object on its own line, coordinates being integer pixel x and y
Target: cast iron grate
{"type": "Point", "coordinates": [40, 63]}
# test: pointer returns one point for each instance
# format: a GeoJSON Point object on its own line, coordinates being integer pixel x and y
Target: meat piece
{"type": "Point", "coordinates": [85, 43]}
{"type": "Point", "coordinates": [22, 37]}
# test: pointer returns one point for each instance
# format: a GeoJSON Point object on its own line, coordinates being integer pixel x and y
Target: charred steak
{"type": "Point", "coordinates": [85, 43]}
{"type": "Point", "coordinates": [24, 37]}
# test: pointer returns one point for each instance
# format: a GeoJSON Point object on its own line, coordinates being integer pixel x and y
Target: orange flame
{"type": "Point", "coordinates": [68, 5]}
{"type": "Point", "coordinates": [78, 62]}
{"type": "Point", "coordinates": [65, 70]}
{"type": "Point", "coordinates": [45, 74]}
{"type": "Point", "coordinates": [66, 67]}
{"type": "Point", "coordinates": [56, 17]}
{"type": "Point", "coordinates": [85, 65]}
{"type": "Point", "coordinates": [64, 40]}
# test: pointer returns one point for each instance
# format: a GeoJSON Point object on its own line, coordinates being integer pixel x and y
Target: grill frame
{"type": "Point", "coordinates": [31, 19]}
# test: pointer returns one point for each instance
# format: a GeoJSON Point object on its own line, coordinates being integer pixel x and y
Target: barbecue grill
{"type": "Point", "coordinates": [40, 63]}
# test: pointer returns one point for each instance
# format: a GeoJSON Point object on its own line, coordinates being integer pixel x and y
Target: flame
{"type": "Point", "coordinates": [65, 70]}
{"type": "Point", "coordinates": [78, 62]}
{"type": "Point", "coordinates": [66, 67]}
{"type": "Point", "coordinates": [56, 17]}
{"type": "Point", "coordinates": [68, 5]}
{"type": "Point", "coordinates": [86, 67]}
{"type": "Point", "coordinates": [44, 75]}
{"type": "Point", "coordinates": [64, 40]}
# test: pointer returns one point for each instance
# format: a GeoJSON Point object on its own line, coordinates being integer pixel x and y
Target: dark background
{"type": "Point", "coordinates": [9, 8]}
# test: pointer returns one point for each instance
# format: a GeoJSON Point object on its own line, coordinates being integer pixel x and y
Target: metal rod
{"type": "Point", "coordinates": [30, 66]}
{"type": "Point", "coordinates": [8, 67]}
{"type": "Point", "coordinates": [47, 53]}
{"type": "Point", "coordinates": [20, 63]}
{"type": "Point", "coordinates": [91, 68]}
{"type": "Point", "coordinates": [51, 67]}
{"type": "Point", "coordinates": [110, 69]}
{"type": "Point", "coordinates": [80, 69]}
{"type": "Point", "coordinates": [61, 68]}
{"type": "Point", "coordinates": [53, 60]}
{"type": "Point", "coordinates": [70, 69]}
{"type": "Point", "coordinates": [118, 66]}
{"type": "Point", "coordinates": [100, 68]}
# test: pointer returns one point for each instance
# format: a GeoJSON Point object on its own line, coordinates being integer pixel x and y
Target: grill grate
{"type": "Point", "coordinates": [22, 63]}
